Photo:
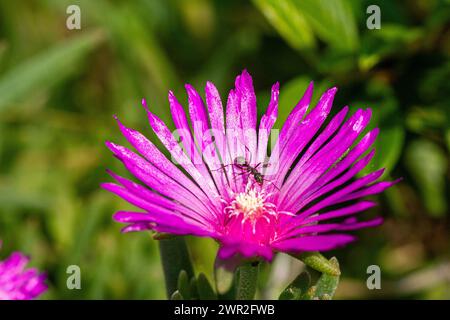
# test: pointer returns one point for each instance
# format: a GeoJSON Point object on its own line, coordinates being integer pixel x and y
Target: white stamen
{"type": "Point", "coordinates": [253, 206]}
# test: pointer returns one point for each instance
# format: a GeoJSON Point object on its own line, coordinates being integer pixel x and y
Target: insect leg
{"type": "Point", "coordinates": [221, 167]}
{"type": "Point", "coordinates": [272, 184]}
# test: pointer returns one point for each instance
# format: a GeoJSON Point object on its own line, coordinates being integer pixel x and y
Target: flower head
{"type": "Point", "coordinates": [229, 188]}
{"type": "Point", "coordinates": [18, 282]}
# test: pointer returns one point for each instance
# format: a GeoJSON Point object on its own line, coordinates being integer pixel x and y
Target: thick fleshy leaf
{"type": "Point", "coordinates": [205, 291]}
{"type": "Point", "coordinates": [296, 288]}
{"type": "Point", "coordinates": [183, 285]}
{"type": "Point", "coordinates": [327, 283]}
{"type": "Point", "coordinates": [317, 261]}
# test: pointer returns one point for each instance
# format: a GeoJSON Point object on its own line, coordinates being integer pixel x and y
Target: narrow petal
{"type": "Point", "coordinates": [222, 176]}
{"type": "Point", "coordinates": [266, 124]}
{"type": "Point", "coordinates": [247, 99]}
{"type": "Point", "coordinates": [136, 227]}
{"type": "Point", "coordinates": [304, 175]}
{"type": "Point", "coordinates": [301, 136]}
{"type": "Point", "coordinates": [324, 135]}
{"type": "Point", "coordinates": [346, 211]}
{"type": "Point", "coordinates": [184, 131]}
{"type": "Point", "coordinates": [215, 108]}
{"type": "Point", "coordinates": [349, 225]}
{"type": "Point", "coordinates": [159, 200]}
{"type": "Point", "coordinates": [371, 190]}
{"type": "Point", "coordinates": [166, 137]}
{"type": "Point", "coordinates": [296, 116]}
{"type": "Point", "coordinates": [160, 220]}
{"type": "Point", "coordinates": [153, 178]}
{"type": "Point", "coordinates": [339, 196]}
{"type": "Point", "coordinates": [363, 145]}
{"type": "Point", "coordinates": [205, 139]}
{"type": "Point", "coordinates": [159, 160]}
{"type": "Point", "coordinates": [313, 243]}
{"type": "Point", "coordinates": [151, 207]}
{"type": "Point", "coordinates": [236, 144]}
{"type": "Point", "coordinates": [354, 225]}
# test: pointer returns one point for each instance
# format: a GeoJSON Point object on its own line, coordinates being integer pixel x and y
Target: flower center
{"type": "Point", "coordinates": [252, 206]}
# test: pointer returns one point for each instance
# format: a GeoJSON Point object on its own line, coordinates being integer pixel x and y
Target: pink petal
{"type": "Point", "coordinates": [313, 243]}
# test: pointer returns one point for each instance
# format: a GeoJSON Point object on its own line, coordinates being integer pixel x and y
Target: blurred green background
{"type": "Point", "coordinates": [59, 89]}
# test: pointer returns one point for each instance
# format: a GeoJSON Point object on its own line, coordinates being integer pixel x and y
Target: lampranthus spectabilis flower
{"type": "Point", "coordinates": [17, 282]}
{"type": "Point", "coordinates": [226, 186]}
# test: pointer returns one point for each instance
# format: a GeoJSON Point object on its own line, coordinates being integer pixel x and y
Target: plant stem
{"type": "Point", "coordinates": [248, 276]}
{"type": "Point", "coordinates": [174, 258]}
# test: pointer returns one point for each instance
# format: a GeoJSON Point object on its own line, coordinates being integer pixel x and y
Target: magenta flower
{"type": "Point", "coordinates": [229, 189]}
{"type": "Point", "coordinates": [17, 282]}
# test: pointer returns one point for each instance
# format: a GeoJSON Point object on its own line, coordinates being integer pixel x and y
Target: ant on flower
{"type": "Point", "coordinates": [246, 168]}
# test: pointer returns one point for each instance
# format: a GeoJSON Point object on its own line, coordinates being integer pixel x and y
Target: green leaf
{"type": "Point", "coordinates": [46, 68]}
{"type": "Point", "coordinates": [205, 291]}
{"type": "Point", "coordinates": [2, 49]}
{"type": "Point", "coordinates": [388, 147]}
{"type": "Point", "coordinates": [288, 21]}
{"type": "Point", "coordinates": [427, 164]}
{"type": "Point", "coordinates": [390, 39]}
{"type": "Point", "coordinates": [297, 20]}
{"type": "Point", "coordinates": [176, 296]}
{"type": "Point", "coordinates": [387, 117]}
{"type": "Point", "coordinates": [247, 280]}
{"type": "Point", "coordinates": [174, 257]}
{"type": "Point", "coordinates": [317, 261]}
{"type": "Point", "coordinates": [447, 139]}
{"type": "Point", "coordinates": [183, 285]}
{"type": "Point", "coordinates": [327, 283]}
{"type": "Point", "coordinates": [137, 44]}
{"type": "Point", "coordinates": [193, 288]}
{"type": "Point", "coordinates": [332, 21]}
{"type": "Point", "coordinates": [297, 288]}
{"type": "Point", "coordinates": [426, 118]}
{"type": "Point", "coordinates": [309, 295]}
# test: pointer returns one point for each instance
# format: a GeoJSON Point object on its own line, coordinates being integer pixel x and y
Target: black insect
{"type": "Point", "coordinates": [246, 168]}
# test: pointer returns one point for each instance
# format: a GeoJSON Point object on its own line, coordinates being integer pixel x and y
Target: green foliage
{"type": "Point", "coordinates": [289, 21]}
{"type": "Point", "coordinates": [183, 285]}
{"type": "Point", "coordinates": [46, 69]}
{"type": "Point", "coordinates": [327, 283]}
{"type": "Point", "coordinates": [247, 275]}
{"type": "Point", "coordinates": [427, 164]}
{"type": "Point", "coordinates": [205, 291]}
{"type": "Point", "coordinates": [176, 296]}
{"type": "Point", "coordinates": [386, 117]}
{"type": "Point", "coordinates": [297, 288]}
{"type": "Point", "coordinates": [190, 288]}
{"type": "Point", "coordinates": [175, 257]}
{"type": "Point", "coordinates": [317, 261]}
{"type": "Point", "coordinates": [323, 289]}
{"type": "Point", "coordinates": [299, 20]}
